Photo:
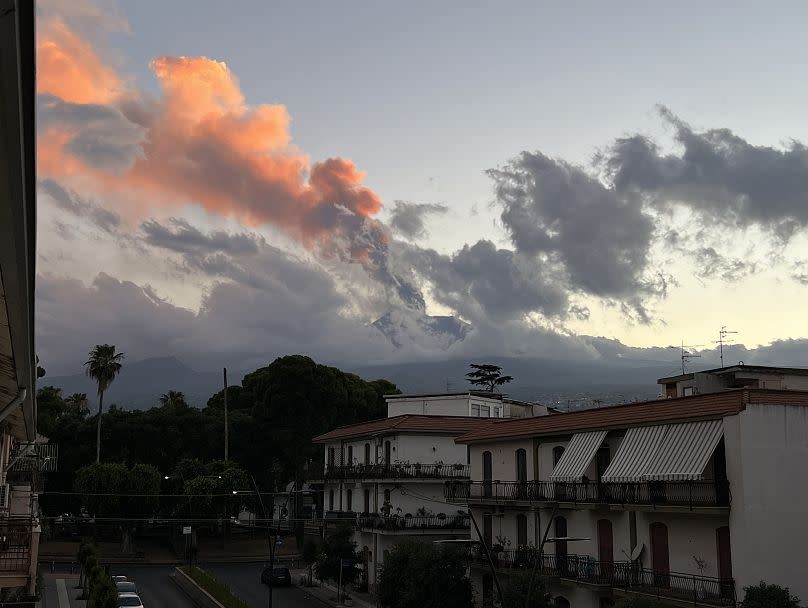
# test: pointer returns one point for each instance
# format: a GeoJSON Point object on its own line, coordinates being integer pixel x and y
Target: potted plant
{"type": "Point", "coordinates": [701, 566]}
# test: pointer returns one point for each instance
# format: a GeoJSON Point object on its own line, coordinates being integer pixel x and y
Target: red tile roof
{"type": "Point", "coordinates": [408, 423]}
{"type": "Point", "coordinates": [711, 405]}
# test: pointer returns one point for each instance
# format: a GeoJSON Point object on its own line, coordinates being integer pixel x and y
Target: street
{"type": "Point", "coordinates": [245, 581]}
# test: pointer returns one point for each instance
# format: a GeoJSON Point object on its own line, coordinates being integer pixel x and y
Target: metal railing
{"type": "Point", "coordinates": [15, 544]}
{"type": "Point", "coordinates": [659, 493]}
{"type": "Point", "coordinates": [397, 471]}
{"type": "Point", "coordinates": [35, 457]}
{"type": "Point", "coordinates": [434, 522]}
{"type": "Point", "coordinates": [619, 575]}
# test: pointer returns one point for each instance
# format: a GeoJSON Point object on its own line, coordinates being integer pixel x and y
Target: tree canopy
{"type": "Point", "coordinates": [422, 575]}
{"type": "Point", "coordinates": [487, 375]}
{"type": "Point", "coordinates": [515, 589]}
{"type": "Point", "coordinates": [335, 548]}
{"type": "Point", "coordinates": [764, 595]}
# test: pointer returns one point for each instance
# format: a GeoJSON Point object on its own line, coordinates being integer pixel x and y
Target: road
{"type": "Point", "coordinates": [154, 586]}
{"type": "Point", "coordinates": [245, 581]}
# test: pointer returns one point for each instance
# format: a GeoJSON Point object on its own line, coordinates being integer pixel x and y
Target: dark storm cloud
{"type": "Point", "coordinates": [407, 219]}
{"type": "Point", "coordinates": [560, 213]}
{"type": "Point", "coordinates": [182, 237]}
{"type": "Point", "coordinates": [718, 174]}
{"type": "Point", "coordinates": [81, 208]}
{"type": "Point", "coordinates": [100, 135]}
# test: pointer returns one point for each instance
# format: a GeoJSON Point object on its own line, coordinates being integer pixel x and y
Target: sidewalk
{"type": "Point", "coordinates": [58, 591]}
{"type": "Point", "coordinates": [327, 593]}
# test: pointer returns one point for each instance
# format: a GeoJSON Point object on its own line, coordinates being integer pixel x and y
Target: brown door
{"type": "Point", "coordinates": [660, 563]}
{"type": "Point", "coordinates": [561, 545]}
{"type": "Point", "coordinates": [605, 547]}
{"type": "Point", "coordinates": [487, 473]}
{"type": "Point", "coordinates": [487, 530]}
{"type": "Point", "coordinates": [724, 553]}
{"type": "Point", "coordinates": [387, 456]}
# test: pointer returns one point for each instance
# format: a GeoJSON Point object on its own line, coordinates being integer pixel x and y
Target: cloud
{"type": "Point", "coordinates": [182, 237]}
{"type": "Point", "coordinates": [76, 205]}
{"type": "Point", "coordinates": [558, 211]}
{"type": "Point", "coordinates": [718, 174]}
{"type": "Point", "coordinates": [712, 264]}
{"type": "Point", "coordinates": [407, 219]}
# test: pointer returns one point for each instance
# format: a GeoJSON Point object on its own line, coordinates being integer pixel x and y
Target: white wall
{"type": "Point", "coordinates": [767, 454]}
{"type": "Point", "coordinates": [434, 406]}
{"type": "Point", "coordinates": [427, 449]}
{"type": "Point", "coordinates": [503, 459]}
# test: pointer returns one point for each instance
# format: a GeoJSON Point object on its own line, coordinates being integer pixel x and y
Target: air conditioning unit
{"type": "Point", "coordinates": [5, 493]}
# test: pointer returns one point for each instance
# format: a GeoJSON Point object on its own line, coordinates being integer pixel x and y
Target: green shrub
{"type": "Point", "coordinates": [763, 595]}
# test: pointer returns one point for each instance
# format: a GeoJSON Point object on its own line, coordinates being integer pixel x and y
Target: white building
{"type": "Point", "coordinates": [386, 476]}
{"type": "Point", "coordinates": [19, 529]}
{"type": "Point", "coordinates": [689, 498]}
{"type": "Point", "coordinates": [735, 376]}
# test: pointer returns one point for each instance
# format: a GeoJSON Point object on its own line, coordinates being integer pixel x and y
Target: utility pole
{"type": "Point", "coordinates": [226, 433]}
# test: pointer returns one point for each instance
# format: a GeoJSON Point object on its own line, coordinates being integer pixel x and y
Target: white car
{"type": "Point", "coordinates": [125, 587]}
{"type": "Point", "coordinates": [130, 600]}
{"type": "Point", "coordinates": [119, 579]}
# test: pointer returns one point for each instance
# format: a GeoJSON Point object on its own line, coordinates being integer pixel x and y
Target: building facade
{"type": "Point", "coordinates": [735, 376]}
{"type": "Point", "coordinates": [386, 477]}
{"type": "Point", "coordinates": [688, 499]}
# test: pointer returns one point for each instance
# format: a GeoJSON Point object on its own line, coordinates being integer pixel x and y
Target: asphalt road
{"type": "Point", "coordinates": [245, 581]}
{"type": "Point", "coordinates": [154, 586]}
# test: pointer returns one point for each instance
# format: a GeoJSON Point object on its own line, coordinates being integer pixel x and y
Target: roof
{"type": "Point", "coordinates": [472, 393]}
{"type": "Point", "coordinates": [408, 423]}
{"type": "Point", "coordinates": [757, 369]}
{"type": "Point", "coordinates": [707, 406]}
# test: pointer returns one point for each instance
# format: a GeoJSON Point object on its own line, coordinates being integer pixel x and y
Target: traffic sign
{"type": "Point", "coordinates": [186, 529]}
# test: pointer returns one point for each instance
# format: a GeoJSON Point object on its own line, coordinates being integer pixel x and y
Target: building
{"type": "Point", "coordinates": [735, 376]}
{"type": "Point", "coordinates": [385, 477]}
{"type": "Point", "coordinates": [688, 498]}
{"type": "Point", "coordinates": [19, 450]}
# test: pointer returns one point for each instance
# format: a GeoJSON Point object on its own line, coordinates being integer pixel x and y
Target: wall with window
{"type": "Point", "coordinates": [503, 459]}
{"type": "Point", "coordinates": [449, 405]}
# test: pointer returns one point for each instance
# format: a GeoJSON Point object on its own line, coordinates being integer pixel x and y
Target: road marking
{"type": "Point", "coordinates": [61, 591]}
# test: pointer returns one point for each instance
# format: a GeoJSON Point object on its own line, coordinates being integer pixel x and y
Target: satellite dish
{"type": "Point", "coordinates": [637, 552]}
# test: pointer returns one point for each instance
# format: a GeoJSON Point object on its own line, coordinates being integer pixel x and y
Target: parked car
{"type": "Point", "coordinates": [130, 600]}
{"type": "Point", "coordinates": [280, 575]}
{"type": "Point", "coordinates": [125, 587]}
{"type": "Point", "coordinates": [119, 579]}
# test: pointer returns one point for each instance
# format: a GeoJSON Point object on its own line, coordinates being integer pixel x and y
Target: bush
{"type": "Point", "coordinates": [335, 548]}
{"type": "Point", "coordinates": [763, 595]}
{"type": "Point", "coordinates": [515, 588]}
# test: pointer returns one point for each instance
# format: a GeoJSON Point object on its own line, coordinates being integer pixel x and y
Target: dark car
{"type": "Point", "coordinates": [280, 575]}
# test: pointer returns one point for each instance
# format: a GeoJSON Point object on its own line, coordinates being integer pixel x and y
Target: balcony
{"type": "Point", "coordinates": [691, 494]}
{"type": "Point", "coordinates": [624, 576]}
{"type": "Point", "coordinates": [15, 546]}
{"type": "Point", "coordinates": [411, 524]}
{"type": "Point", "coordinates": [396, 471]}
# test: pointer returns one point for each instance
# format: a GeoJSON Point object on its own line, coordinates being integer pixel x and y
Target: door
{"type": "Point", "coordinates": [605, 548]}
{"type": "Point", "coordinates": [367, 501]}
{"type": "Point", "coordinates": [561, 545]}
{"type": "Point", "coordinates": [387, 456]}
{"type": "Point", "coordinates": [521, 530]}
{"type": "Point", "coordinates": [521, 474]}
{"type": "Point", "coordinates": [660, 560]}
{"type": "Point", "coordinates": [487, 474]}
{"type": "Point", "coordinates": [487, 530]}
{"type": "Point", "coordinates": [720, 468]}
{"type": "Point", "coordinates": [724, 560]}
{"type": "Point", "coordinates": [367, 453]}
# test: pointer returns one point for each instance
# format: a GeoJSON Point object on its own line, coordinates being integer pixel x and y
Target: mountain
{"type": "Point", "coordinates": [141, 383]}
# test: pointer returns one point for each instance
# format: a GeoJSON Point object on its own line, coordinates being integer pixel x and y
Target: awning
{"type": "Point", "coordinates": [685, 451]}
{"type": "Point", "coordinates": [577, 456]}
{"type": "Point", "coordinates": [636, 451]}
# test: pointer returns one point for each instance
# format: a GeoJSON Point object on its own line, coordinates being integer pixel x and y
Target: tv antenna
{"type": "Point", "coordinates": [722, 339]}
{"type": "Point", "coordinates": [687, 355]}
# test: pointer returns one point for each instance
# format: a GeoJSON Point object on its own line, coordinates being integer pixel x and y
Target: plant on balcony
{"type": "Point", "coordinates": [701, 566]}
{"type": "Point", "coordinates": [764, 595]}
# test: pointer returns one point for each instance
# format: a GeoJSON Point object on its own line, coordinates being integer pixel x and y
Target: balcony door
{"type": "Point", "coordinates": [387, 456]}
{"type": "Point", "coordinates": [521, 474]}
{"type": "Point", "coordinates": [487, 474]}
{"type": "Point", "coordinates": [487, 530]}
{"type": "Point", "coordinates": [561, 545]}
{"type": "Point", "coordinates": [660, 557]}
{"type": "Point", "coordinates": [724, 552]}
{"type": "Point", "coordinates": [367, 453]}
{"type": "Point", "coordinates": [605, 547]}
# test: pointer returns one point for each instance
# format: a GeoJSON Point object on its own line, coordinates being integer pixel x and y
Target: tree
{"type": "Point", "coordinates": [763, 595]}
{"type": "Point", "coordinates": [102, 366]}
{"type": "Point", "coordinates": [487, 375]}
{"type": "Point", "coordinates": [422, 575]}
{"type": "Point", "coordinates": [515, 589]}
{"type": "Point", "coordinates": [311, 550]}
{"type": "Point", "coordinates": [338, 547]}
{"type": "Point", "coordinates": [173, 399]}
{"type": "Point", "coordinates": [78, 401]}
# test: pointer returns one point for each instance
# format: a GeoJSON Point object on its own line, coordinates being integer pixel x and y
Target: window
{"type": "Point", "coordinates": [487, 530]}
{"type": "Point", "coordinates": [349, 500]}
{"type": "Point", "coordinates": [475, 410]}
{"type": "Point", "coordinates": [497, 410]}
{"type": "Point", "coordinates": [521, 465]}
{"type": "Point", "coordinates": [521, 530]}
{"type": "Point", "coordinates": [331, 500]}
{"type": "Point", "coordinates": [331, 457]}
{"type": "Point", "coordinates": [367, 501]}
{"type": "Point", "coordinates": [367, 453]}
{"type": "Point", "coordinates": [558, 452]}
{"type": "Point", "coordinates": [350, 454]}
{"type": "Point", "coordinates": [485, 411]}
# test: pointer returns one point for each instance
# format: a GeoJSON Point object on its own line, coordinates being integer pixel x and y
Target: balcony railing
{"type": "Point", "coordinates": [397, 471]}
{"type": "Point", "coordinates": [690, 494]}
{"type": "Point", "coordinates": [15, 545]}
{"type": "Point", "coordinates": [435, 522]}
{"type": "Point", "coordinates": [619, 575]}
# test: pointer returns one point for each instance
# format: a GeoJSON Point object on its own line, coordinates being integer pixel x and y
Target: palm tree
{"type": "Point", "coordinates": [78, 401]}
{"type": "Point", "coordinates": [104, 364]}
{"type": "Point", "coordinates": [173, 399]}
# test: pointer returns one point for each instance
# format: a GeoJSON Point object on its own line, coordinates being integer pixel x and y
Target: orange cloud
{"type": "Point", "coordinates": [69, 68]}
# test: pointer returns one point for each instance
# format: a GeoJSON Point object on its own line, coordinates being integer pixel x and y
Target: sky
{"type": "Point", "coordinates": [232, 182]}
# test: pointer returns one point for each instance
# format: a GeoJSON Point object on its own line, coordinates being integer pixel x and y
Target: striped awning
{"type": "Point", "coordinates": [636, 451]}
{"type": "Point", "coordinates": [577, 456]}
{"type": "Point", "coordinates": [685, 451]}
